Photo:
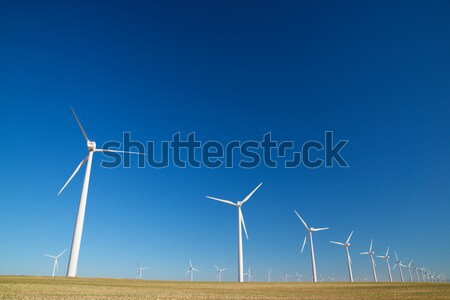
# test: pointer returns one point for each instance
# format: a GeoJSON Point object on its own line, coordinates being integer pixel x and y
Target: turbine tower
{"type": "Point", "coordinates": [310, 230]}
{"type": "Point", "coordinates": [371, 253]}
{"type": "Point", "coordinates": [416, 268]}
{"type": "Point", "coordinates": [268, 273]}
{"type": "Point", "coordinates": [78, 231]}
{"type": "Point", "coordinates": [140, 269]}
{"type": "Point", "coordinates": [55, 261]}
{"type": "Point", "coordinates": [241, 223]}
{"type": "Point", "coordinates": [398, 263]}
{"type": "Point", "coordinates": [191, 270]}
{"type": "Point", "coordinates": [219, 273]}
{"type": "Point", "coordinates": [386, 257]}
{"type": "Point", "coordinates": [349, 261]}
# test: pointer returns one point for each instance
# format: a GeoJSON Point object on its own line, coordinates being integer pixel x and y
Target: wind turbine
{"type": "Point", "coordinates": [268, 273]}
{"type": "Point", "coordinates": [219, 273]}
{"type": "Point", "coordinates": [286, 276]}
{"type": "Point", "coordinates": [386, 257]}
{"type": "Point", "coordinates": [349, 261]}
{"type": "Point", "coordinates": [409, 270]}
{"type": "Point", "coordinates": [249, 274]}
{"type": "Point", "coordinates": [299, 276]}
{"type": "Point", "coordinates": [400, 265]}
{"type": "Point", "coordinates": [310, 230]}
{"type": "Point", "coordinates": [140, 269]}
{"type": "Point", "coordinates": [241, 223]}
{"type": "Point", "coordinates": [78, 231]}
{"type": "Point", "coordinates": [191, 270]}
{"type": "Point", "coordinates": [371, 253]}
{"type": "Point", "coordinates": [331, 278]}
{"type": "Point", "coordinates": [416, 268]}
{"type": "Point", "coordinates": [55, 263]}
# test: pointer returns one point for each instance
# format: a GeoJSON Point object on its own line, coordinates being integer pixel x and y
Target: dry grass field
{"type": "Point", "coordinates": [24, 287]}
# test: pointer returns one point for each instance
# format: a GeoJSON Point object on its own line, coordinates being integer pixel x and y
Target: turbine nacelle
{"type": "Point", "coordinates": [91, 145]}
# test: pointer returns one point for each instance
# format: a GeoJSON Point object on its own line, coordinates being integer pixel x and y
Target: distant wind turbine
{"type": "Point", "coordinates": [310, 230]}
{"type": "Point", "coordinates": [241, 223]}
{"type": "Point", "coordinates": [268, 273]}
{"type": "Point", "coordinates": [299, 276]}
{"type": "Point", "coordinates": [410, 266]}
{"type": "Point", "coordinates": [191, 270]}
{"type": "Point", "coordinates": [349, 261]}
{"type": "Point", "coordinates": [55, 261]}
{"type": "Point", "coordinates": [76, 241]}
{"type": "Point", "coordinates": [416, 268]}
{"type": "Point", "coordinates": [249, 274]}
{"type": "Point", "coordinates": [398, 263]}
{"type": "Point", "coordinates": [371, 253]}
{"type": "Point", "coordinates": [286, 276]}
{"type": "Point", "coordinates": [140, 269]}
{"type": "Point", "coordinates": [219, 273]}
{"type": "Point", "coordinates": [386, 257]}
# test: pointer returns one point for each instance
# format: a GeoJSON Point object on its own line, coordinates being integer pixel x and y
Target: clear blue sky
{"type": "Point", "coordinates": [375, 73]}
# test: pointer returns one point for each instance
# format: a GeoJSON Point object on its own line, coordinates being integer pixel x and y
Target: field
{"type": "Point", "coordinates": [24, 287]}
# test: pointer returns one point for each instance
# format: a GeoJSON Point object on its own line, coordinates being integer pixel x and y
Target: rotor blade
{"type": "Point", "coordinates": [320, 229]}
{"type": "Point", "coordinates": [381, 256]}
{"type": "Point", "coordinates": [190, 263]}
{"type": "Point", "coordinates": [337, 243]}
{"type": "Point", "coordinates": [137, 264]}
{"type": "Point", "coordinates": [74, 173]}
{"type": "Point", "coordinates": [243, 222]}
{"type": "Point", "coordinates": [187, 272]}
{"type": "Point", "coordinates": [396, 257]}
{"type": "Point", "coordinates": [395, 266]}
{"type": "Point", "coordinates": [364, 253]}
{"type": "Point", "coordinates": [146, 268]}
{"type": "Point", "coordinates": [402, 265]}
{"type": "Point", "coordinates": [118, 151]}
{"type": "Point", "coordinates": [304, 223]}
{"type": "Point", "coordinates": [410, 263]}
{"type": "Point", "coordinates": [194, 269]}
{"type": "Point", "coordinates": [216, 268]}
{"type": "Point", "coordinates": [249, 195]}
{"type": "Point", "coordinates": [79, 124]}
{"type": "Point", "coordinates": [222, 200]}
{"type": "Point", "coordinates": [349, 237]}
{"type": "Point", "coordinates": [387, 252]}
{"type": "Point", "coordinates": [304, 242]}
{"type": "Point", "coordinates": [61, 253]}
{"type": "Point", "coordinates": [370, 248]}
{"type": "Point", "coordinates": [51, 256]}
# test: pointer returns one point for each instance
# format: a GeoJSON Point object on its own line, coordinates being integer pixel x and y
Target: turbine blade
{"type": "Point", "coordinates": [222, 200]}
{"type": "Point", "coordinates": [395, 266]}
{"type": "Point", "coordinates": [118, 151]}
{"type": "Point", "coordinates": [190, 263]}
{"type": "Point", "coordinates": [79, 124]}
{"type": "Point", "coordinates": [73, 174]}
{"type": "Point", "coordinates": [364, 253]}
{"type": "Point", "coordinates": [137, 264]}
{"type": "Point", "coordinates": [304, 242]}
{"type": "Point", "coordinates": [194, 269]}
{"type": "Point", "coordinates": [304, 223]}
{"type": "Point", "coordinates": [337, 243]}
{"type": "Point", "coordinates": [349, 237]}
{"type": "Point", "coordinates": [396, 257]}
{"type": "Point", "coordinates": [320, 229]}
{"type": "Point", "coordinates": [387, 251]}
{"type": "Point", "coordinates": [249, 195]}
{"type": "Point", "coordinates": [370, 248]}
{"type": "Point", "coordinates": [187, 272]}
{"type": "Point", "coordinates": [243, 222]}
{"type": "Point", "coordinates": [61, 253]}
{"type": "Point", "coordinates": [216, 268]}
{"type": "Point", "coordinates": [51, 256]}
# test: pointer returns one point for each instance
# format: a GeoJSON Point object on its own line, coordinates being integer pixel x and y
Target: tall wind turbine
{"type": "Point", "coordinates": [349, 261]}
{"type": "Point", "coordinates": [398, 263]}
{"type": "Point", "coordinates": [78, 231]}
{"type": "Point", "coordinates": [241, 223]}
{"type": "Point", "coordinates": [55, 261]}
{"type": "Point", "coordinates": [310, 230]}
{"type": "Point", "coordinates": [410, 266]}
{"type": "Point", "coordinates": [140, 269]}
{"type": "Point", "coordinates": [286, 276]}
{"type": "Point", "coordinates": [371, 253]}
{"type": "Point", "coordinates": [386, 257]}
{"type": "Point", "coordinates": [191, 270]}
{"type": "Point", "coordinates": [219, 273]}
{"type": "Point", "coordinates": [416, 268]}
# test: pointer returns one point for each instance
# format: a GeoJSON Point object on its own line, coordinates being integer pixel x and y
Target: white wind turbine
{"type": "Point", "coordinates": [191, 270]}
{"type": "Point", "coordinates": [140, 269]}
{"type": "Point", "coordinates": [410, 266]}
{"type": "Point", "coordinates": [219, 273]}
{"type": "Point", "coordinates": [310, 230]}
{"type": "Point", "coordinates": [286, 276]}
{"type": "Point", "coordinates": [268, 273]}
{"type": "Point", "coordinates": [76, 241]}
{"type": "Point", "coordinates": [386, 257]}
{"type": "Point", "coordinates": [349, 261]}
{"type": "Point", "coordinates": [299, 276]}
{"type": "Point", "coordinates": [55, 261]}
{"type": "Point", "coordinates": [249, 274]}
{"type": "Point", "coordinates": [398, 263]}
{"type": "Point", "coordinates": [241, 223]}
{"type": "Point", "coordinates": [371, 253]}
{"type": "Point", "coordinates": [416, 268]}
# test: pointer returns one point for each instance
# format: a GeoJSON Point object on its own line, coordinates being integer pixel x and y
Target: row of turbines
{"type": "Point", "coordinates": [76, 241]}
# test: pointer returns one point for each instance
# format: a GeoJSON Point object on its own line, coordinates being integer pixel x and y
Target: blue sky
{"type": "Point", "coordinates": [375, 74]}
